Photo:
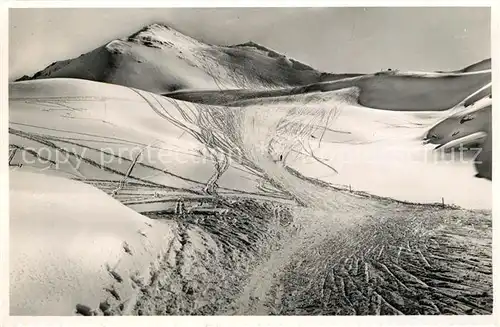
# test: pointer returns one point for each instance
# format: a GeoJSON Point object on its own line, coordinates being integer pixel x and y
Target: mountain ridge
{"type": "Point", "coordinates": [251, 63]}
{"type": "Point", "coordinates": [150, 36]}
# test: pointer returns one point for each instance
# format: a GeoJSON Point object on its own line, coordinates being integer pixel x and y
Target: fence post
{"type": "Point", "coordinates": [442, 201]}
{"type": "Point", "coordinates": [350, 189]}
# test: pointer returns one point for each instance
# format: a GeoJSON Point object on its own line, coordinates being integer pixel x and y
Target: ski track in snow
{"type": "Point", "coordinates": [316, 250]}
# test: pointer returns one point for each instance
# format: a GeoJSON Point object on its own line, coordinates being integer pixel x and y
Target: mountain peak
{"type": "Point", "coordinates": [160, 35]}
{"type": "Point", "coordinates": [160, 59]}
{"type": "Point", "coordinates": [154, 27]}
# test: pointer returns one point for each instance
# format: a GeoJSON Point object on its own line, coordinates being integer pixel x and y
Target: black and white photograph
{"type": "Point", "coordinates": [249, 161]}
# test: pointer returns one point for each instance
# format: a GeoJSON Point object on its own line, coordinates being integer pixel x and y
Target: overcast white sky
{"type": "Point", "coordinates": [329, 39]}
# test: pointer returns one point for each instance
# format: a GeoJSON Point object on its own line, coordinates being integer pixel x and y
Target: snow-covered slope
{"type": "Point", "coordinates": [399, 91]}
{"type": "Point", "coordinates": [455, 95]}
{"type": "Point", "coordinates": [159, 142]}
{"type": "Point", "coordinates": [149, 152]}
{"type": "Point", "coordinates": [72, 245]}
{"type": "Point", "coordinates": [482, 65]}
{"type": "Point", "coordinates": [81, 124]}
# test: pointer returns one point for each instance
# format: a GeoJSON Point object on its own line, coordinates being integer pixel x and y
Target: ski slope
{"type": "Point", "coordinates": [157, 174]}
{"type": "Point", "coordinates": [80, 117]}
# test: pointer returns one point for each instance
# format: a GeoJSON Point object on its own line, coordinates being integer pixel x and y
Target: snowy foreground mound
{"type": "Point", "coordinates": [73, 244]}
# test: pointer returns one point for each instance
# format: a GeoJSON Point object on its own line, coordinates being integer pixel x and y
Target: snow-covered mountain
{"type": "Point", "coordinates": [160, 59]}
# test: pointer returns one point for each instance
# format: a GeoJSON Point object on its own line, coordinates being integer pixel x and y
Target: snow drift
{"type": "Point", "coordinates": [72, 244]}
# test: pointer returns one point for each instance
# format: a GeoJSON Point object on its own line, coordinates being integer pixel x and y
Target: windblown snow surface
{"type": "Point", "coordinates": [318, 199]}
